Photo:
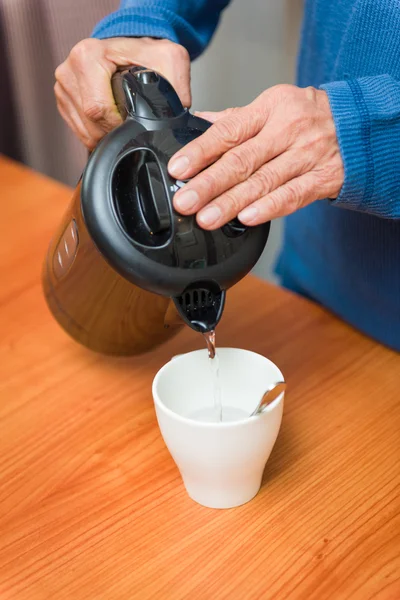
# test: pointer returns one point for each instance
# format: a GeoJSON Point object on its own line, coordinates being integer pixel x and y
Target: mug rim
{"type": "Point", "coordinates": [202, 424]}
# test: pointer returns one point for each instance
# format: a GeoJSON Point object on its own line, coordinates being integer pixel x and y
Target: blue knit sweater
{"type": "Point", "coordinates": [344, 253]}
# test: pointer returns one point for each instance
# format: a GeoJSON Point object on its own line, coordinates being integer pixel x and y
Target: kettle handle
{"type": "Point", "coordinates": [142, 92]}
{"type": "Point", "coordinates": [121, 98]}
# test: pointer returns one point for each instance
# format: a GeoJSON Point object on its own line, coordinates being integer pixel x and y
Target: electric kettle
{"type": "Point", "coordinates": [125, 269]}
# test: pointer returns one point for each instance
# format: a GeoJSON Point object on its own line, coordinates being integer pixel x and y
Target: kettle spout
{"type": "Point", "coordinates": [201, 306]}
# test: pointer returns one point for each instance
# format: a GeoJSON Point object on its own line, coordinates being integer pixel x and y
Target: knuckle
{"type": "Point", "coordinates": [281, 91]}
{"type": "Point", "coordinates": [266, 94]}
{"type": "Point", "coordinates": [83, 48]}
{"type": "Point", "coordinates": [95, 111]}
{"type": "Point", "coordinates": [90, 143]}
{"type": "Point", "coordinates": [233, 110]}
{"type": "Point", "coordinates": [179, 52]}
{"type": "Point", "coordinates": [239, 164]}
{"type": "Point", "coordinates": [307, 163]}
{"type": "Point", "coordinates": [198, 151]}
{"type": "Point", "coordinates": [263, 181]}
{"type": "Point", "coordinates": [229, 130]}
{"type": "Point", "coordinates": [274, 204]}
{"type": "Point", "coordinates": [61, 73]}
{"type": "Point", "coordinates": [172, 51]}
{"type": "Point", "coordinates": [231, 203]}
{"type": "Point", "coordinates": [229, 112]}
{"type": "Point", "coordinates": [209, 183]}
{"type": "Point", "coordinates": [286, 88]}
{"type": "Point", "coordinates": [310, 93]}
{"type": "Point", "coordinates": [322, 177]}
{"type": "Point", "coordinates": [293, 196]}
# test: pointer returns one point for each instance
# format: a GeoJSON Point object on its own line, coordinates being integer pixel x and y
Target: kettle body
{"type": "Point", "coordinates": [124, 268]}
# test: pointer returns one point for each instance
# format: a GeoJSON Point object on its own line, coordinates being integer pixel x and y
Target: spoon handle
{"type": "Point", "coordinates": [271, 394]}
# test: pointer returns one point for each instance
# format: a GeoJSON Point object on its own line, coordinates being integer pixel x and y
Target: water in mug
{"type": "Point", "coordinates": [210, 415]}
{"type": "Point", "coordinates": [216, 413]}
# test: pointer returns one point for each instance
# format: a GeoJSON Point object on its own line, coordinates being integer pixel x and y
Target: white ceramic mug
{"type": "Point", "coordinates": [221, 463]}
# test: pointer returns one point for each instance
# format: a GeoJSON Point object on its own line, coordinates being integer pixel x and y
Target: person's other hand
{"type": "Point", "coordinates": [261, 161]}
{"type": "Point", "coordinates": [83, 82]}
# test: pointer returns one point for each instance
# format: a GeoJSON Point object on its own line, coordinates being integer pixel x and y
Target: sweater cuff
{"type": "Point", "coordinates": [140, 23]}
{"type": "Point", "coordinates": [352, 123]}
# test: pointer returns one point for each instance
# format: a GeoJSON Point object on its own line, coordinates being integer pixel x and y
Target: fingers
{"type": "Point", "coordinates": [226, 133]}
{"type": "Point", "coordinates": [70, 114]}
{"type": "Point", "coordinates": [170, 59]}
{"type": "Point", "coordinates": [282, 201]}
{"type": "Point", "coordinates": [234, 167]}
{"type": "Point", "coordinates": [93, 76]}
{"type": "Point", "coordinates": [262, 161]}
{"type": "Point", "coordinates": [84, 93]}
{"type": "Point", "coordinates": [89, 133]}
{"type": "Point", "coordinates": [266, 179]}
{"type": "Point", "coordinates": [178, 73]}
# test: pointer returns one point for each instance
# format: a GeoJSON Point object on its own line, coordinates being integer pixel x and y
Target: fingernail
{"type": "Point", "coordinates": [209, 215]}
{"type": "Point", "coordinates": [178, 166]}
{"type": "Point", "coordinates": [186, 200]}
{"type": "Point", "coordinates": [248, 214]}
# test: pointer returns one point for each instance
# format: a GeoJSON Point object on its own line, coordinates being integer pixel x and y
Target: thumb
{"type": "Point", "coordinates": [213, 116]}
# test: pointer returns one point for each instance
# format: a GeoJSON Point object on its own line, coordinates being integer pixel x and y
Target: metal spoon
{"type": "Point", "coordinates": [271, 394]}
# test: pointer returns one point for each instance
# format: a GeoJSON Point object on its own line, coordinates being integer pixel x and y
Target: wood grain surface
{"type": "Point", "coordinates": [92, 505]}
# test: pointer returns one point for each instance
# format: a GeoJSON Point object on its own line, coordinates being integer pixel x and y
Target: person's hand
{"type": "Point", "coordinates": [83, 82]}
{"type": "Point", "coordinates": [268, 159]}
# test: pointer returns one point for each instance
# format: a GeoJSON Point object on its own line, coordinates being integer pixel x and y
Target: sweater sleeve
{"type": "Point", "coordinates": [366, 112]}
{"type": "Point", "coordinates": [190, 23]}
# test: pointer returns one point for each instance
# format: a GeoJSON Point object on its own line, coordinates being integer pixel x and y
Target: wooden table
{"type": "Point", "coordinates": [92, 505]}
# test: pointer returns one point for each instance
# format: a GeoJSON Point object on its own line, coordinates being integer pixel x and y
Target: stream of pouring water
{"type": "Point", "coordinates": [215, 414]}
{"type": "Point", "coordinates": [209, 337]}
